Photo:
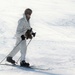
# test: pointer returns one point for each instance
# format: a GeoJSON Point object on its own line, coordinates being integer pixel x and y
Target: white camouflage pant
{"type": "Point", "coordinates": [22, 47]}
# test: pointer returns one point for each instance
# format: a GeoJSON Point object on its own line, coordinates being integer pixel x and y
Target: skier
{"type": "Point", "coordinates": [23, 32]}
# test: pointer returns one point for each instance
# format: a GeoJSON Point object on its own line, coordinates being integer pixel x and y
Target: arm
{"type": "Point", "coordinates": [20, 29]}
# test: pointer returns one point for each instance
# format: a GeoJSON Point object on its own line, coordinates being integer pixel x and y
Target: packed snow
{"type": "Point", "coordinates": [54, 44]}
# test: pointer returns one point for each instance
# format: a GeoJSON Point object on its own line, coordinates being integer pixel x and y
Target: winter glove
{"type": "Point", "coordinates": [23, 37]}
{"type": "Point", "coordinates": [33, 34]}
{"type": "Point", "coordinates": [28, 34]}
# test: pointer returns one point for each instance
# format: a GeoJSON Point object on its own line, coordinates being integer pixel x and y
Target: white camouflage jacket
{"type": "Point", "coordinates": [23, 26]}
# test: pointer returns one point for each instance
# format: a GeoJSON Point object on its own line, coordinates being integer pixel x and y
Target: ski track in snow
{"type": "Point", "coordinates": [54, 44]}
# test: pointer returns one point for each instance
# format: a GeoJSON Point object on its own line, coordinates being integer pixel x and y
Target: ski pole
{"type": "Point", "coordinates": [10, 52]}
{"type": "Point", "coordinates": [27, 46]}
{"type": "Point", "coordinates": [29, 42]}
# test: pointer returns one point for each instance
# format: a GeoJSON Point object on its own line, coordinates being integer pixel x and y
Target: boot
{"type": "Point", "coordinates": [10, 60]}
{"type": "Point", "coordinates": [24, 64]}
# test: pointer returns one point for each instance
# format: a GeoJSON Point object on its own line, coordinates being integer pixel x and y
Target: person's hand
{"type": "Point", "coordinates": [23, 37]}
{"type": "Point", "coordinates": [34, 34]}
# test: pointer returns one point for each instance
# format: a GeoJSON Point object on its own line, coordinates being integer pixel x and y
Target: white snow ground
{"type": "Point", "coordinates": [54, 45]}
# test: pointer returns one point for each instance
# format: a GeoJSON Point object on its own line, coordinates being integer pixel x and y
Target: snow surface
{"type": "Point", "coordinates": [54, 45]}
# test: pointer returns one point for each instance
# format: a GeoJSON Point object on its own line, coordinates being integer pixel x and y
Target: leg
{"type": "Point", "coordinates": [23, 49]}
{"type": "Point", "coordinates": [13, 52]}
{"type": "Point", "coordinates": [23, 54]}
{"type": "Point", "coordinates": [15, 49]}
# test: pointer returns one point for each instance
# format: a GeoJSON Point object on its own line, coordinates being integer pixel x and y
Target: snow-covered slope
{"type": "Point", "coordinates": [54, 45]}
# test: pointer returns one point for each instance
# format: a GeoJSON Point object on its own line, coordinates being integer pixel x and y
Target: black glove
{"type": "Point", "coordinates": [28, 34]}
{"type": "Point", "coordinates": [33, 34]}
{"type": "Point", "coordinates": [23, 37]}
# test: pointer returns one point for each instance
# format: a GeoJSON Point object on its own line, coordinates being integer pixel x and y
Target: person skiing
{"type": "Point", "coordinates": [23, 32]}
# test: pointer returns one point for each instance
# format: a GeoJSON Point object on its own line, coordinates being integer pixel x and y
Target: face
{"type": "Point", "coordinates": [28, 16]}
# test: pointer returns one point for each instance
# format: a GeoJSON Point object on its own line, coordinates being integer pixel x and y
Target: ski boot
{"type": "Point", "coordinates": [10, 60]}
{"type": "Point", "coordinates": [24, 64]}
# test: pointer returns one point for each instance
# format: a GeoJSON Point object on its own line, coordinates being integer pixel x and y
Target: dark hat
{"type": "Point", "coordinates": [28, 11]}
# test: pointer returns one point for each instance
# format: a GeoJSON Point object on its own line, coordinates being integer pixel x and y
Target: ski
{"type": "Point", "coordinates": [30, 67]}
